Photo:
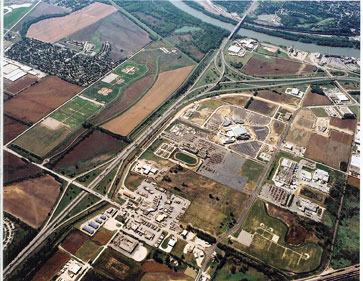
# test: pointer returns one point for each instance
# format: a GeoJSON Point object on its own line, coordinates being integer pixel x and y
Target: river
{"type": "Point", "coordinates": [268, 38]}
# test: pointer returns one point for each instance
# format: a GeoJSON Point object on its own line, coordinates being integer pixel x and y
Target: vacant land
{"type": "Point", "coordinates": [260, 65]}
{"type": "Point", "coordinates": [346, 250]}
{"type": "Point", "coordinates": [349, 124]}
{"type": "Point", "coordinates": [164, 86]}
{"type": "Point", "coordinates": [102, 236]}
{"type": "Point", "coordinates": [74, 241]}
{"type": "Point", "coordinates": [52, 266]}
{"type": "Point", "coordinates": [315, 99]}
{"type": "Point", "coordinates": [279, 253]}
{"type": "Point", "coordinates": [330, 151]}
{"type": "Point", "coordinates": [124, 35]}
{"type": "Point", "coordinates": [21, 84]}
{"type": "Point", "coordinates": [11, 18]}
{"type": "Point", "coordinates": [262, 107]}
{"type": "Point", "coordinates": [279, 97]}
{"type": "Point", "coordinates": [40, 99]}
{"type": "Point", "coordinates": [53, 29]}
{"type": "Point", "coordinates": [93, 150]}
{"type": "Point", "coordinates": [12, 128]}
{"type": "Point", "coordinates": [31, 200]}
{"type": "Point", "coordinates": [252, 171]}
{"type": "Point", "coordinates": [116, 266]}
{"type": "Point", "coordinates": [17, 169]}
{"type": "Point", "coordinates": [300, 131]}
{"type": "Point", "coordinates": [296, 234]}
{"type": "Point", "coordinates": [87, 251]}
{"type": "Point", "coordinates": [235, 100]}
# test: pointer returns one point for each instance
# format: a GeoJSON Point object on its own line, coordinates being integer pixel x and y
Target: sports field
{"type": "Point", "coordinates": [186, 158]}
{"type": "Point", "coordinates": [164, 86]}
{"type": "Point", "coordinates": [268, 243]}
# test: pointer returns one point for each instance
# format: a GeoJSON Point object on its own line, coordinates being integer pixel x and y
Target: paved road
{"type": "Point", "coordinates": [340, 274]}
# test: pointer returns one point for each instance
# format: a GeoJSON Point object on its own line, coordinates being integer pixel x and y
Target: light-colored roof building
{"type": "Point", "coordinates": [75, 269]}
{"type": "Point", "coordinates": [355, 162]}
{"type": "Point", "coordinates": [234, 49]}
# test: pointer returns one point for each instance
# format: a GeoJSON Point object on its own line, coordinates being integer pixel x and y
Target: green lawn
{"type": "Point", "coordinates": [88, 251]}
{"type": "Point", "coordinates": [89, 200]}
{"type": "Point", "coordinates": [189, 160]}
{"type": "Point", "coordinates": [103, 186]}
{"type": "Point", "coordinates": [71, 193]}
{"type": "Point", "coordinates": [252, 171]}
{"type": "Point", "coordinates": [319, 112]}
{"type": "Point", "coordinates": [11, 18]}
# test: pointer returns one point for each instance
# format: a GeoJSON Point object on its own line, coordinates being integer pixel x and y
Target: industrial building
{"type": "Point", "coordinates": [125, 242]}
{"type": "Point", "coordinates": [321, 176]}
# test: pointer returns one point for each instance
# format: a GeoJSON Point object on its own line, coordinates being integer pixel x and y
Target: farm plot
{"type": "Point", "coordinates": [124, 35]}
{"type": "Point", "coordinates": [249, 148]}
{"type": "Point", "coordinates": [74, 241]}
{"type": "Point", "coordinates": [261, 132]}
{"type": "Point", "coordinates": [31, 200]}
{"type": "Point", "coordinates": [40, 99]}
{"type": "Point", "coordinates": [315, 99]}
{"type": "Point", "coordinates": [12, 128]}
{"type": "Point", "coordinates": [345, 124]}
{"type": "Point", "coordinates": [331, 151]}
{"type": "Point", "coordinates": [15, 12]}
{"type": "Point", "coordinates": [262, 107]}
{"type": "Point", "coordinates": [269, 243]}
{"type": "Point", "coordinates": [124, 75]}
{"type": "Point", "coordinates": [16, 169]}
{"type": "Point", "coordinates": [264, 66]}
{"type": "Point", "coordinates": [164, 86]}
{"type": "Point", "coordinates": [93, 150]}
{"type": "Point", "coordinates": [47, 135]}
{"type": "Point", "coordinates": [52, 266]}
{"type": "Point", "coordinates": [21, 84]}
{"type": "Point", "coordinates": [102, 236]}
{"type": "Point", "coordinates": [279, 97]}
{"type": "Point", "coordinates": [53, 29]}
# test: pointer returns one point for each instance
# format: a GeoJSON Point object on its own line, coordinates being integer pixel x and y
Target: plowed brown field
{"type": "Point", "coordinates": [12, 128]}
{"type": "Point", "coordinates": [31, 200]}
{"type": "Point", "coordinates": [53, 29]}
{"type": "Point", "coordinates": [315, 99]}
{"type": "Point", "coordinates": [40, 99]}
{"type": "Point", "coordinates": [51, 267]}
{"type": "Point", "coordinates": [21, 84]}
{"type": "Point", "coordinates": [164, 86]}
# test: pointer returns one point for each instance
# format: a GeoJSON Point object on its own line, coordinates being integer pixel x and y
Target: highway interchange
{"type": "Point", "coordinates": [58, 221]}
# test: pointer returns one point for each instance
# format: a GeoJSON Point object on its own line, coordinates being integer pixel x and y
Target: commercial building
{"type": "Point", "coordinates": [234, 49]}
{"type": "Point", "coordinates": [321, 176]}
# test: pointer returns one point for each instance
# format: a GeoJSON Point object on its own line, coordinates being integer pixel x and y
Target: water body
{"type": "Point", "coordinates": [268, 38]}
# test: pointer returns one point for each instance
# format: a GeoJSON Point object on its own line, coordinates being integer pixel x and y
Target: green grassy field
{"type": "Point", "coordinates": [189, 160]}
{"type": "Point", "coordinates": [74, 113]}
{"type": "Point", "coordinates": [89, 200]}
{"type": "Point", "coordinates": [319, 112]}
{"type": "Point", "coordinates": [252, 171]}
{"type": "Point", "coordinates": [11, 18]}
{"type": "Point", "coordinates": [103, 186]}
{"type": "Point", "coordinates": [71, 193]}
{"type": "Point", "coordinates": [88, 251]}
{"type": "Point", "coordinates": [304, 258]}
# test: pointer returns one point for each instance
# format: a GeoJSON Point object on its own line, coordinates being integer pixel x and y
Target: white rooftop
{"type": "Point", "coordinates": [238, 130]}
{"type": "Point", "coordinates": [306, 174]}
{"type": "Point", "coordinates": [342, 97]}
{"type": "Point", "coordinates": [109, 78]}
{"type": "Point", "coordinates": [355, 162]}
{"type": "Point", "coordinates": [234, 49]}
{"type": "Point", "coordinates": [75, 269]}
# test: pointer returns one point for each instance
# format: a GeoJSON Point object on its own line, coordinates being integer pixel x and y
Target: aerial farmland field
{"type": "Point", "coordinates": [12, 128]}
{"type": "Point", "coordinates": [53, 29]}
{"type": "Point", "coordinates": [21, 84]}
{"type": "Point", "coordinates": [161, 90]}
{"type": "Point", "coordinates": [32, 199]}
{"type": "Point", "coordinates": [40, 99]}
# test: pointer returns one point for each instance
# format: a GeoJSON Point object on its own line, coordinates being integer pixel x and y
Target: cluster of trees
{"type": "Point", "coordinates": [165, 18]}
{"type": "Point", "coordinates": [202, 235]}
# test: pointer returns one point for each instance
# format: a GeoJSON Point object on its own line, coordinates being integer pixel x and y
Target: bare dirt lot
{"type": "Point", "coordinates": [235, 100]}
{"type": "Point", "coordinates": [330, 151]}
{"type": "Point", "coordinates": [315, 99]}
{"type": "Point", "coordinates": [164, 86]}
{"type": "Point", "coordinates": [130, 95]}
{"type": "Point", "coordinates": [74, 241]}
{"type": "Point", "coordinates": [300, 130]}
{"type": "Point", "coordinates": [21, 84]}
{"type": "Point", "coordinates": [12, 129]}
{"type": "Point", "coordinates": [102, 236]}
{"type": "Point", "coordinates": [349, 124]}
{"type": "Point", "coordinates": [40, 99]}
{"type": "Point", "coordinates": [51, 267]}
{"type": "Point", "coordinates": [16, 169]}
{"type": "Point", "coordinates": [262, 107]}
{"type": "Point", "coordinates": [281, 98]}
{"type": "Point", "coordinates": [53, 29]}
{"type": "Point", "coordinates": [31, 200]}
{"type": "Point", "coordinates": [124, 35]}
{"type": "Point", "coordinates": [296, 234]}
{"type": "Point", "coordinates": [276, 66]}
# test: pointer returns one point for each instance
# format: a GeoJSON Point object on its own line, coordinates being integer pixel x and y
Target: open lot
{"type": "Point", "coordinates": [265, 66]}
{"type": "Point", "coordinates": [330, 151]}
{"type": "Point", "coordinates": [15, 14]}
{"type": "Point", "coordinates": [52, 266]}
{"type": "Point", "coordinates": [269, 243]}
{"type": "Point", "coordinates": [12, 128]}
{"type": "Point", "coordinates": [315, 99]}
{"type": "Point", "coordinates": [31, 200]}
{"type": "Point", "coordinates": [87, 252]}
{"type": "Point", "coordinates": [53, 29]}
{"type": "Point", "coordinates": [102, 236]}
{"type": "Point", "coordinates": [262, 107]}
{"type": "Point", "coordinates": [16, 169]}
{"type": "Point", "coordinates": [93, 150]}
{"type": "Point", "coordinates": [164, 86]}
{"type": "Point", "coordinates": [40, 99]}
{"type": "Point", "coordinates": [348, 124]}
{"type": "Point", "coordinates": [74, 241]}
{"type": "Point", "coordinates": [21, 84]}
{"type": "Point", "coordinates": [301, 128]}
{"type": "Point", "coordinates": [124, 35]}
{"type": "Point", "coordinates": [252, 171]}
{"type": "Point", "coordinates": [279, 97]}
